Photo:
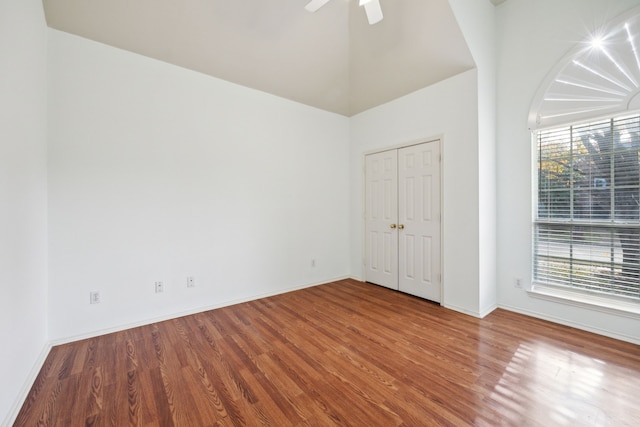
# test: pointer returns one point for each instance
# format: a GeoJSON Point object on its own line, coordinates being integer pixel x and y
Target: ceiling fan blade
{"type": "Point", "coordinates": [373, 9]}
{"type": "Point", "coordinates": [314, 5]}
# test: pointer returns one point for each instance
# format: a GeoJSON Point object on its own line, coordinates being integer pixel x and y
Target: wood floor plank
{"type": "Point", "coordinates": [345, 353]}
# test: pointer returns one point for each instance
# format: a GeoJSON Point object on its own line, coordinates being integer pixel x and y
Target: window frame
{"type": "Point", "coordinates": [628, 306]}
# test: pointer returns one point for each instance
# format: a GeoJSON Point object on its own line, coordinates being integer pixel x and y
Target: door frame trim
{"type": "Point", "coordinates": [363, 195]}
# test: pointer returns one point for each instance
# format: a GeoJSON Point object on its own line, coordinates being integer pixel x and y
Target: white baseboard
{"type": "Point", "coordinates": [485, 312]}
{"type": "Point", "coordinates": [478, 314]}
{"type": "Point", "coordinates": [26, 388]}
{"type": "Point", "coordinates": [577, 325]}
{"type": "Point", "coordinates": [170, 316]}
{"type": "Point", "coordinates": [463, 310]}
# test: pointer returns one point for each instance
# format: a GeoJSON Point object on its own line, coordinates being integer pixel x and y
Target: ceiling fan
{"type": "Point", "coordinates": [371, 7]}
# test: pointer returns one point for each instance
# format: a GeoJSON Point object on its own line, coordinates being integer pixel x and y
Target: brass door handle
{"type": "Point", "coordinates": [401, 226]}
{"type": "Point", "coordinates": [393, 226]}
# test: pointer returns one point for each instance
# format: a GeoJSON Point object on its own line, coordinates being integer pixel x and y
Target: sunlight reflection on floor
{"type": "Point", "coordinates": [547, 385]}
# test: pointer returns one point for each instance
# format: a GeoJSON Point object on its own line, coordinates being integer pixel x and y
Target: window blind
{"type": "Point", "coordinates": [587, 224]}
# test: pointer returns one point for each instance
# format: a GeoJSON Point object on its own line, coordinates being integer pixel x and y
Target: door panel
{"type": "Point", "coordinates": [427, 259]}
{"type": "Point", "coordinates": [381, 241]}
{"type": "Point", "coordinates": [419, 213]}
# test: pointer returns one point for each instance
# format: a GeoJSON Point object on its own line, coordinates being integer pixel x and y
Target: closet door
{"type": "Point", "coordinates": [419, 220]}
{"type": "Point", "coordinates": [381, 236]}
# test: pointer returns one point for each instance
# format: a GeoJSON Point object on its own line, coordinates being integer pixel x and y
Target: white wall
{"type": "Point", "coordinates": [477, 23]}
{"type": "Point", "coordinates": [159, 173]}
{"type": "Point", "coordinates": [448, 109]}
{"type": "Point", "coordinates": [532, 37]}
{"type": "Point", "coordinates": [23, 201]}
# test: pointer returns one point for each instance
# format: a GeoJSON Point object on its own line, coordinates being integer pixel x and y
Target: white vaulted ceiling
{"type": "Point", "coordinates": [331, 59]}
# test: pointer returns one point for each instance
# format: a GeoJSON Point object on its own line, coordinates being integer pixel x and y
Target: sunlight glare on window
{"type": "Point", "coordinates": [597, 42]}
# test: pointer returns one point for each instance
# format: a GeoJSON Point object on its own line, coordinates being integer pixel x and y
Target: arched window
{"type": "Point", "coordinates": [585, 122]}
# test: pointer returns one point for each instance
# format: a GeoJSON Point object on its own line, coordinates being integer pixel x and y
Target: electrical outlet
{"type": "Point", "coordinates": [191, 282]}
{"type": "Point", "coordinates": [518, 283]}
{"type": "Point", "coordinates": [159, 287]}
{"type": "Point", "coordinates": [313, 262]}
{"type": "Point", "coordinates": [94, 297]}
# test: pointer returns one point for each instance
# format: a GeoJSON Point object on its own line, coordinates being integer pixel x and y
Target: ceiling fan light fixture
{"type": "Point", "coordinates": [373, 9]}
{"type": "Point", "coordinates": [314, 5]}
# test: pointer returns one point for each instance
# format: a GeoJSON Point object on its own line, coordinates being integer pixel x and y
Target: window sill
{"type": "Point", "coordinates": [592, 302]}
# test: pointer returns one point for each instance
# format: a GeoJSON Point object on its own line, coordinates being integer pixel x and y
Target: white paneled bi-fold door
{"type": "Point", "coordinates": [403, 220]}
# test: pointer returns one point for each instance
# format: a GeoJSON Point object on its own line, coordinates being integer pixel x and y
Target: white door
{"type": "Point", "coordinates": [403, 220]}
{"type": "Point", "coordinates": [381, 240]}
{"type": "Point", "coordinates": [419, 220]}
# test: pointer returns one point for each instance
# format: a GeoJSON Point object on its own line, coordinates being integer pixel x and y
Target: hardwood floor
{"type": "Point", "coordinates": [345, 353]}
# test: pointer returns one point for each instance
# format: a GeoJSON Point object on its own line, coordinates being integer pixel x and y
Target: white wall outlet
{"type": "Point", "coordinates": [517, 283]}
{"type": "Point", "coordinates": [159, 287]}
{"type": "Point", "coordinates": [313, 262]}
{"type": "Point", "coordinates": [191, 282]}
{"type": "Point", "coordinates": [94, 297]}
